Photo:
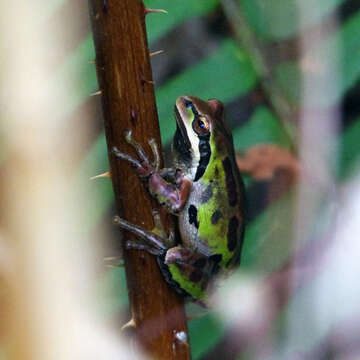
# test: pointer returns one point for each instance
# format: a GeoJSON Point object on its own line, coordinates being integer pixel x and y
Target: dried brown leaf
{"type": "Point", "coordinates": [263, 161]}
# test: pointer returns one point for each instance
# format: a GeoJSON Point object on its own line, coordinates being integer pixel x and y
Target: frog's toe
{"type": "Point", "coordinates": [155, 149]}
{"type": "Point", "coordinates": [117, 220]}
{"type": "Point", "coordinates": [156, 217]}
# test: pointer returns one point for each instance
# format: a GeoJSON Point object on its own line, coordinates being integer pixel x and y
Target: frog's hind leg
{"type": "Point", "coordinates": [155, 241]}
{"type": "Point", "coordinates": [192, 272]}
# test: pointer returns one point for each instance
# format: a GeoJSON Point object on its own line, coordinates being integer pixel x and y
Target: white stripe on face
{"type": "Point", "coordinates": [194, 140]}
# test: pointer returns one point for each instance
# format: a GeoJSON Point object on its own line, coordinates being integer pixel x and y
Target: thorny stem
{"type": "Point", "coordinates": [127, 92]}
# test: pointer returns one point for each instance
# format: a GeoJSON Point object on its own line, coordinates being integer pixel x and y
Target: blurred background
{"type": "Point", "coordinates": [288, 72]}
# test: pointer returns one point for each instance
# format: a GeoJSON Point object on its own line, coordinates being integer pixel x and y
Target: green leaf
{"type": "Point", "coordinates": [336, 67]}
{"type": "Point", "coordinates": [349, 150]}
{"type": "Point", "coordinates": [225, 75]}
{"type": "Point", "coordinates": [96, 162]}
{"type": "Point", "coordinates": [80, 71]}
{"type": "Point", "coordinates": [178, 11]}
{"type": "Point", "coordinates": [280, 19]}
{"type": "Point", "coordinates": [112, 292]}
{"type": "Point", "coordinates": [349, 49]}
{"type": "Point", "coordinates": [204, 333]}
{"type": "Point", "coordinates": [267, 243]}
{"type": "Point", "coordinates": [263, 127]}
{"type": "Point", "coordinates": [288, 78]}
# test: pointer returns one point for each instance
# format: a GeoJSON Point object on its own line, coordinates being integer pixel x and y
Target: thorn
{"type": "Point", "coordinates": [144, 81]}
{"type": "Point", "coordinates": [112, 258]}
{"type": "Point", "coordinates": [93, 62]}
{"type": "Point", "coordinates": [114, 265]}
{"type": "Point", "coordinates": [133, 116]}
{"type": "Point", "coordinates": [181, 337]}
{"type": "Point", "coordinates": [148, 81]}
{"type": "Point", "coordinates": [156, 52]}
{"type": "Point", "coordinates": [96, 93]}
{"type": "Point", "coordinates": [147, 11]}
{"type": "Point", "coordinates": [106, 174]}
{"type": "Point", "coordinates": [129, 324]}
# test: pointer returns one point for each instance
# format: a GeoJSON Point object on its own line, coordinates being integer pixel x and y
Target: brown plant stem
{"type": "Point", "coordinates": [125, 79]}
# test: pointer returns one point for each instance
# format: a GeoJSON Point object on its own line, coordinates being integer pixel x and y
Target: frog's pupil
{"type": "Point", "coordinates": [202, 124]}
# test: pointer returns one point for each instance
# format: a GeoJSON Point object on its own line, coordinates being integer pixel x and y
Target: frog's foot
{"type": "Point", "coordinates": [172, 195]}
{"type": "Point", "coordinates": [144, 169]}
{"type": "Point", "coordinates": [141, 153]}
{"type": "Point", "coordinates": [151, 242]}
{"type": "Point", "coordinates": [144, 160]}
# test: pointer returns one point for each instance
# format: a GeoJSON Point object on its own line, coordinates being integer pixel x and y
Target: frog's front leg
{"type": "Point", "coordinates": [172, 195]}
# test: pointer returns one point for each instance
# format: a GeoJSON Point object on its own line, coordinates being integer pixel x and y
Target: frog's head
{"type": "Point", "coordinates": [200, 132]}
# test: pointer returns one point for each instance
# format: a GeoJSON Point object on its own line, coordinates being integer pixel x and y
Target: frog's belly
{"type": "Point", "coordinates": [188, 224]}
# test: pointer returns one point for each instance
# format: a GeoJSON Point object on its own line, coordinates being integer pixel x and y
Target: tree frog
{"type": "Point", "coordinates": [204, 189]}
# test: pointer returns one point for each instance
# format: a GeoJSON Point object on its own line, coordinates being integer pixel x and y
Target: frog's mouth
{"type": "Point", "coordinates": [180, 127]}
{"type": "Point", "coordinates": [181, 141]}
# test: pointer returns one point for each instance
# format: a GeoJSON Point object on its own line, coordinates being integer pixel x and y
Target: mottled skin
{"type": "Point", "coordinates": [205, 190]}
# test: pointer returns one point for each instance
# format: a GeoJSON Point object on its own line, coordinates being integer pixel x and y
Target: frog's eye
{"type": "Point", "coordinates": [201, 125]}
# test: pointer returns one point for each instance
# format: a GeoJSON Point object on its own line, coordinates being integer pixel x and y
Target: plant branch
{"type": "Point", "coordinates": [127, 92]}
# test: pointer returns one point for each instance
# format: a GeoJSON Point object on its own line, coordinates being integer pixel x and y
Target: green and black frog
{"type": "Point", "coordinates": [204, 189]}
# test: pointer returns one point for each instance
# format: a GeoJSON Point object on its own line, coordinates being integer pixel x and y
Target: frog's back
{"type": "Point", "coordinates": [213, 219]}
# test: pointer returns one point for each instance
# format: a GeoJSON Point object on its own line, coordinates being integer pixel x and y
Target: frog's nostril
{"type": "Point", "coordinates": [186, 102]}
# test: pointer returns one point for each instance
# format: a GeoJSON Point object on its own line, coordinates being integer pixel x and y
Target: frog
{"type": "Point", "coordinates": [204, 189]}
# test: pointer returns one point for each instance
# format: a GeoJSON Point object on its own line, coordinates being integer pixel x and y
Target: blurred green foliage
{"type": "Point", "coordinates": [349, 147]}
{"type": "Point", "coordinates": [179, 12]}
{"type": "Point", "coordinates": [204, 79]}
{"type": "Point", "coordinates": [278, 20]}
{"type": "Point", "coordinates": [227, 74]}
{"type": "Point", "coordinates": [263, 127]}
{"type": "Point", "coordinates": [343, 46]}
